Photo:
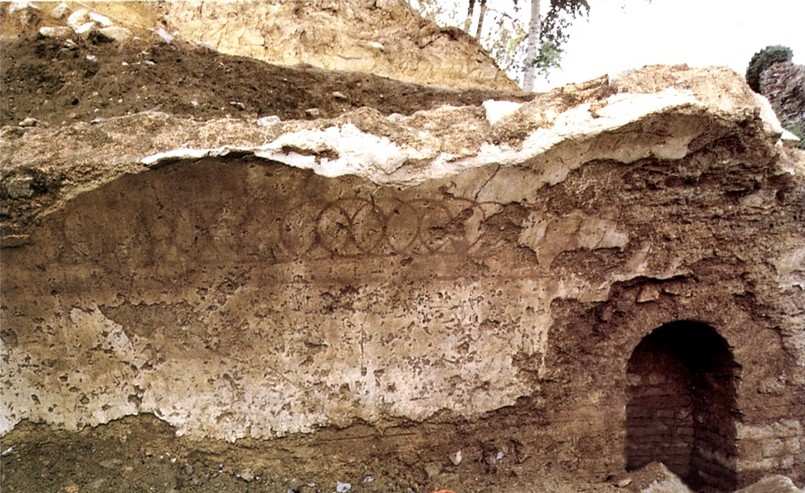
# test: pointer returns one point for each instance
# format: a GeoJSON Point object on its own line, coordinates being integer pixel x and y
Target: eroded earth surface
{"type": "Point", "coordinates": [387, 292]}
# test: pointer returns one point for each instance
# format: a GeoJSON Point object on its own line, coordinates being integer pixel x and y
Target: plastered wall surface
{"type": "Point", "coordinates": [258, 282]}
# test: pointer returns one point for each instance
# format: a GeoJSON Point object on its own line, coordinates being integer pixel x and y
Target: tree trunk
{"type": "Point", "coordinates": [532, 48]}
{"type": "Point", "coordinates": [481, 15]}
{"type": "Point", "coordinates": [470, 11]}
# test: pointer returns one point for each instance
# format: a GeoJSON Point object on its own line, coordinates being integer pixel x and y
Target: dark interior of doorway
{"type": "Point", "coordinates": [681, 407]}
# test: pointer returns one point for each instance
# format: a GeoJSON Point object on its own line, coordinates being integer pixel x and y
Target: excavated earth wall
{"type": "Point", "coordinates": [489, 271]}
{"type": "Point", "coordinates": [382, 37]}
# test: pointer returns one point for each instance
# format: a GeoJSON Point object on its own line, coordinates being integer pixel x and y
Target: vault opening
{"type": "Point", "coordinates": [681, 405]}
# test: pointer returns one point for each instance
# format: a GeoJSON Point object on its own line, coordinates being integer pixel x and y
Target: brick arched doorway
{"type": "Point", "coordinates": [681, 408]}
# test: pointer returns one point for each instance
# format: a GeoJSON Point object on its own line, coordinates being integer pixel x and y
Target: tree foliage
{"type": "Point", "coordinates": [762, 60]}
{"type": "Point", "coordinates": [554, 32]}
{"type": "Point", "coordinates": [502, 29]}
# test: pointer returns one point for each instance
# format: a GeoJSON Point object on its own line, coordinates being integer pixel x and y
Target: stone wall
{"type": "Point", "coordinates": [495, 266]}
{"type": "Point", "coordinates": [659, 426]}
{"type": "Point", "coordinates": [784, 85]}
{"type": "Point", "coordinates": [682, 405]}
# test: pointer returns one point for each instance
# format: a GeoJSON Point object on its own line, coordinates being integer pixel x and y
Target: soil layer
{"type": "Point", "coordinates": [62, 83]}
{"type": "Point", "coordinates": [142, 454]}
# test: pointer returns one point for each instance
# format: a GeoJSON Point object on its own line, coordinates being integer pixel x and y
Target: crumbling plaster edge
{"type": "Point", "coordinates": [383, 161]}
{"type": "Point", "coordinates": [558, 142]}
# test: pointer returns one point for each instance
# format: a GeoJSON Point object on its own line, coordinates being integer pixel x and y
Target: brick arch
{"type": "Point", "coordinates": [681, 405]}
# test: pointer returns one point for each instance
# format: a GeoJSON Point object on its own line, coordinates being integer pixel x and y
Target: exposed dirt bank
{"type": "Point", "coordinates": [139, 454]}
{"type": "Point", "coordinates": [61, 83]}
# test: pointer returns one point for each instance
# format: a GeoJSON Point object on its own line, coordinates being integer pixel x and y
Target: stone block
{"type": "Point", "coordinates": [19, 187]}
{"type": "Point", "coordinates": [766, 464]}
{"type": "Point", "coordinates": [773, 448]}
{"type": "Point", "coordinates": [772, 484]}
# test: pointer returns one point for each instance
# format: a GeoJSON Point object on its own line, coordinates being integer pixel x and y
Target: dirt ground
{"type": "Point", "coordinates": [62, 83]}
{"type": "Point", "coordinates": [142, 454]}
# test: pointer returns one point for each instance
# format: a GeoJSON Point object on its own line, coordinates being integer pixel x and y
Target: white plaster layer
{"type": "Point", "coordinates": [381, 159]}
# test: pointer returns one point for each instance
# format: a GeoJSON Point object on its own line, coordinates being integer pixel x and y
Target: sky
{"type": "Point", "coordinates": [622, 34]}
